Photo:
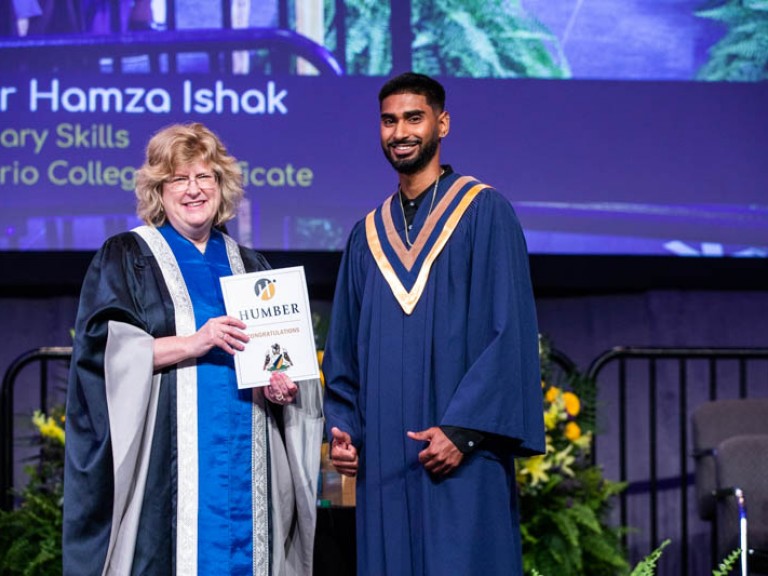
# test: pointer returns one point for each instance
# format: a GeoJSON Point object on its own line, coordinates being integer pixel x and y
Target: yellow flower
{"type": "Point", "coordinates": [552, 394]}
{"type": "Point", "coordinates": [320, 364]}
{"type": "Point", "coordinates": [584, 442]}
{"type": "Point", "coordinates": [48, 427]}
{"type": "Point", "coordinates": [551, 418]}
{"type": "Point", "coordinates": [536, 468]}
{"type": "Point", "coordinates": [564, 459]}
{"type": "Point", "coordinates": [572, 431]}
{"type": "Point", "coordinates": [572, 403]}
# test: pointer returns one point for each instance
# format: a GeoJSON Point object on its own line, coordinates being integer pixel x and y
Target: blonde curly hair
{"type": "Point", "coordinates": [179, 145]}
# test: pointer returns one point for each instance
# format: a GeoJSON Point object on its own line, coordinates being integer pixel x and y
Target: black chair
{"type": "Point", "coordinates": [730, 441]}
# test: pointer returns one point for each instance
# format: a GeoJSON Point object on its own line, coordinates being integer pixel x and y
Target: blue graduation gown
{"type": "Point", "coordinates": [465, 355]}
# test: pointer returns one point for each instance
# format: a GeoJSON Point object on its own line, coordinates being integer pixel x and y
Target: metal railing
{"type": "Point", "coordinates": [43, 357]}
{"type": "Point", "coordinates": [86, 52]}
{"type": "Point", "coordinates": [649, 394]}
{"type": "Point", "coordinates": [114, 40]}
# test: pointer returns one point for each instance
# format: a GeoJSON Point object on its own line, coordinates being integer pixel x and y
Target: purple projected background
{"type": "Point", "coordinates": [592, 166]}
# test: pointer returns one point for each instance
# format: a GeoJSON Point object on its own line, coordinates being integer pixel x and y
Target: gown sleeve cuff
{"type": "Point", "coordinates": [466, 440]}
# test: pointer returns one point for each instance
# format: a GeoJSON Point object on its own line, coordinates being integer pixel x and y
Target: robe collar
{"type": "Point", "coordinates": [406, 270]}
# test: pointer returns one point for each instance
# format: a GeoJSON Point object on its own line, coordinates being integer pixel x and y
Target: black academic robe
{"type": "Point", "coordinates": [125, 284]}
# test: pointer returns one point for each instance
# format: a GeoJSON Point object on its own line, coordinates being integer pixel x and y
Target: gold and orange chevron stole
{"type": "Point", "coordinates": [406, 271]}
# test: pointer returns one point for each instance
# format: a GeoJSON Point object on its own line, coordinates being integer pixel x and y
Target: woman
{"type": "Point", "coordinates": [170, 469]}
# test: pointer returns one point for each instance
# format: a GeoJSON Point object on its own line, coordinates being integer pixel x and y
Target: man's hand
{"type": "Point", "coordinates": [440, 457]}
{"type": "Point", "coordinates": [343, 453]}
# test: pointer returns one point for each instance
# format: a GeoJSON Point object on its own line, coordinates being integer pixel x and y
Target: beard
{"type": "Point", "coordinates": [408, 166]}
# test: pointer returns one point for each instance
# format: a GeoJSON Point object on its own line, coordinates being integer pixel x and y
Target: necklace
{"type": "Point", "coordinates": [431, 205]}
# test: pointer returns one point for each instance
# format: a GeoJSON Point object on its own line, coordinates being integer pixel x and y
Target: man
{"type": "Point", "coordinates": [431, 363]}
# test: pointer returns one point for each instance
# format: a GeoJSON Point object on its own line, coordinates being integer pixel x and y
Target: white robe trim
{"type": "Point", "coordinates": [132, 395]}
{"type": "Point", "coordinates": [186, 407]}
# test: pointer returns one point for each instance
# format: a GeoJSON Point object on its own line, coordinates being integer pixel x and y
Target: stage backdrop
{"type": "Point", "coordinates": [612, 126]}
{"type": "Point", "coordinates": [620, 127]}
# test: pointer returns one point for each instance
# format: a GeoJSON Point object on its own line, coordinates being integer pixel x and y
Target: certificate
{"type": "Point", "coordinates": [274, 305]}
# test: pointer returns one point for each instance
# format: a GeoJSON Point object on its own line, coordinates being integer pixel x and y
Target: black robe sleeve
{"type": "Point", "coordinates": [121, 284]}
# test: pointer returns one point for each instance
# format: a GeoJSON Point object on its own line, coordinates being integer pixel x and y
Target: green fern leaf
{"type": "Point", "coordinates": [725, 567]}
{"type": "Point", "coordinates": [648, 565]}
{"type": "Point", "coordinates": [599, 549]}
{"type": "Point", "coordinates": [567, 527]}
{"type": "Point", "coordinates": [584, 516]}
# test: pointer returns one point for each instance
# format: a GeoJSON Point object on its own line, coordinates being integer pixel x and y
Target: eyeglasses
{"type": "Point", "coordinates": [181, 183]}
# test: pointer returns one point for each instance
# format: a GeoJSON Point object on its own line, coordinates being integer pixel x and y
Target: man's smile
{"type": "Point", "coordinates": [402, 148]}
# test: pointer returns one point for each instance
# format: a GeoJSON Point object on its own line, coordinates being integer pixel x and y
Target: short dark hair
{"type": "Point", "coordinates": [413, 83]}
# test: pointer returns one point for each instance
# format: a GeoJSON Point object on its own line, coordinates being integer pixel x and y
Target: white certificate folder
{"type": "Point", "coordinates": [274, 304]}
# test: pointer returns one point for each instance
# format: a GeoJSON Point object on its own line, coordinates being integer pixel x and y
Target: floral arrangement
{"type": "Point", "coordinates": [564, 499]}
{"type": "Point", "coordinates": [30, 535]}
